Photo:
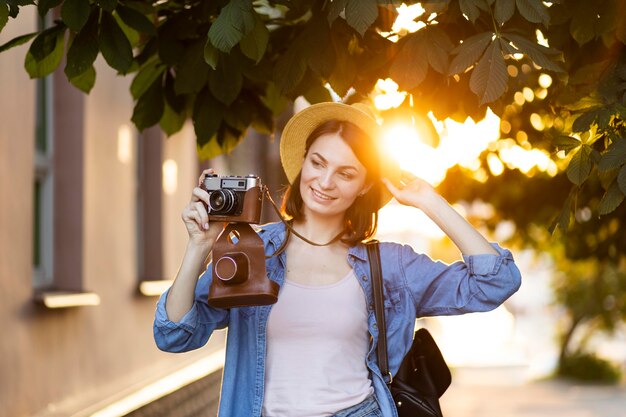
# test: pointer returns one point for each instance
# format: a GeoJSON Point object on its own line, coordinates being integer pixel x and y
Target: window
{"type": "Point", "coordinates": [58, 195]}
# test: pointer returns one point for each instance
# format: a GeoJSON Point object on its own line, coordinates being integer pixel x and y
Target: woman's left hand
{"type": "Point", "coordinates": [413, 191]}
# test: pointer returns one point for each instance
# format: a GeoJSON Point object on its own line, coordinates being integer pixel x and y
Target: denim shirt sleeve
{"type": "Point", "coordinates": [196, 326]}
{"type": "Point", "coordinates": [479, 283]}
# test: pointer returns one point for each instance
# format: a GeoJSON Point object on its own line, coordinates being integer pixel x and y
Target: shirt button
{"type": "Point", "coordinates": [364, 277]}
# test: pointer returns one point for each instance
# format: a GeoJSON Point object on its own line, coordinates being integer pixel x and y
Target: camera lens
{"type": "Point", "coordinates": [222, 202]}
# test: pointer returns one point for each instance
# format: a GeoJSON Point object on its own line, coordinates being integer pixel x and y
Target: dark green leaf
{"type": "Point", "coordinates": [409, 67]}
{"type": "Point", "coordinates": [583, 23]}
{"type": "Point", "coordinates": [193, 71]}
{"type": "Point", "coordinates": [114, 45]}
{"type": "Point", "coordinates": [611, 199]}
{"type": "Point", "coordinates": [44, 5]}
{"type": "Point", "coordinates": [621, 179]}
{"type": "Point", "coordinates": [75, 13]}
{"type": "Point", "coordinates": [584, 121]}
{"type": "Point", "coordinates": [226, 81]}
{"type": "Point", "coordinates": [253, 44]}
{"type": "Point", "coordinates": [533, 10]}
{"type": "Point", "coordinates": [85, 81]}
{"type": "Point", "coordinates": [108, 5]}
{"type": "Point", "coordinates": [489, 78]}
{"type": "Point", "coordinates": [437, 46]}
{"type": "Point", "coordinates": [235, 20]}
{"type": "Point", "coordinates": [564, 218]}
{"type": "Point", "coordinates": [176, 101]}
{"type": "Point", "coordinates": [538, 53]}
{"type": "Point", "coordinates": [20, 40]}
{"type": "Point", "coordinates": [263, 120]}
{"type": "Point", "coordinates": [45, 53]}
{"type": "Point", "coordinates": [580, 166]}
{"type": "Point", "coordinates": [469, 51]}
{"type": "Point", "coordinates": [566, 143]}
{"type": "Point", "coordinates": [360, 14]}
{"type": "Point", "coordinates": [274, 100]}
{"type": "Point", "coordinates": [470, 9]}
{"type": "Point", "coordinates": [504, 10]}
{"type": "Point", "coordinates": [289, 70]}
{"type": "Point", "coordinates": [211, 54]}
{"type": "Point", "coordinates": [171, 121]}
{"type": "Point", "coordinates": [614, 157]}
{"type": "Point", "coordinates": [84, 48]}
{"type": "Point", "coordinates": [135, 20]}
{"type": "Point", "coordinates": [4, 16]}
{"type": "Point", "coordinates": [150, 106]}
{"type": "Point", "coordinates": [318, 94]}
{"type": "Point", "coordinates": [207, 116]}
{"type": "Point", "coordinates": [147, 75]}
{"type": "Point", "coordinates": [320, 53]}
{"type": "Point", "coordinates": [335, 9]}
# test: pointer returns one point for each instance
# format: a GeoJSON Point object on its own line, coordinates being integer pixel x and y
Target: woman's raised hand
{"type": "Point", "coordinates": [196, 218]}
{"type": "Point", "coordinates": [413, 191]}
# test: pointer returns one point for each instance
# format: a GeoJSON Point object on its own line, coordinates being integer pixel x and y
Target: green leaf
{"type": "Point", "coordinates": [235, 20]}
{"type": "Point", "coordinates": [409, 67]}
{"type": "Point", "coordinates": [171, 121]}
{"type": "Point", "coordinates": [614, 157]}
{"type": "Point", "coordinates": [580, 166]}
{"type": "Point", "coordinates": [564, 218]}
{"type": "Point", "coordinates": [253, 44]}
{"type": "Point", "coordinates": [75, 13]}
{"type": "Point", "coordinates": [84, 48]}
{"type": "Point", "coordinates": [150, 106]}
{"type": "Point", "coordinates": [611, 199]}
{"type": "Point", "coordinates": [192, 71]}
{"type": "Point", "coordinates": [146, 76]}
{"type": "Point", "coordinates": [469, 51]}
{"type": "Point", "coordinates": [85, 81]}
{"type": "Point", "coordinates": [489, 78]}
{"type": "Point", "coordinates": [318, 94]}
{"type": "Point", "coordinates": [470, 9]}
{"type": "Point", "coordinates": [504, 10]}
{"type": "Point", "coordinates": [108, 5]}
{"type": "Point", "coordinates": [226, 81]}
{"type": "Point", "coordinates": [335, 9]}
{"type": "Point", "coordinates": [211, 54]}
{"type": "Point", "coordinates": [45, 53]}
{"type": "Point", "coordinates": [44, 5]}
{"type": "Point", "coordinates": [621, 179]}
{"type": "Point", "coordinates": [4, 16]}
{"type": "Point", "coordinates": [207, 116]}
{"type": "Point", "coordinates": [360, 14]}
{"type": "Point", "coordinates": [566, 143]}
{"type": "Point", "coordinates": [114, 45]}
{"type": "Point", "coordinates": [437, 46]}
{"type": "Point", "coordinates": [20, 40]}
{"type": "Point", "coordinates": [533, 10]}
{"type": "Point", "coordinates": [318, 44]}
{"type": "Point", "coordinates": [583, 21]}
{"type": "Point", "coordinates": [274, 100]}
{"type": "Point", "coordinates": [135, 20]}
{"type": "Point", "coordinates": [538, 53]}
{"type": "Point", "coordinates": [289, 69]}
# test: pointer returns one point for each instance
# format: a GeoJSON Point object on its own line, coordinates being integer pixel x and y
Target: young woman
{"type": "Point", "coordinates": [313, 352]}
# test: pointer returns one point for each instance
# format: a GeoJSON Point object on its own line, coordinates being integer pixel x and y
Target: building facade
{"type": "Point", "coordinates": [90, 234]}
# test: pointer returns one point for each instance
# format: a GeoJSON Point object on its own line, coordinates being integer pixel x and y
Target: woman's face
{"type": "Point", "coordinates": [331, 178]}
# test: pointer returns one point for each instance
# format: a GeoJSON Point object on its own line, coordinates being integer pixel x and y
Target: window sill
{"type": "Point", "coordinates": [66, 299]}
{"type": "Point", "coordinates": [154, 288]}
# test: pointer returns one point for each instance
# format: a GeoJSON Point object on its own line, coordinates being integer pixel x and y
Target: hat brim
{"type": "Point", "coordinates": [302, 124]}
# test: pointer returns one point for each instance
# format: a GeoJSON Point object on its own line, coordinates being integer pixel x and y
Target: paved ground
{"type": "Point", "coordinates": [504, 392]}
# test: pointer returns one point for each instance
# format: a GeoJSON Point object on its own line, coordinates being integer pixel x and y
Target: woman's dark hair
{"type": "Point", "coordinates": [361, 218]}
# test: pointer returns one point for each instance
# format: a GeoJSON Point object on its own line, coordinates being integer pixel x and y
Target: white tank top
{"type": "Point", "coordinates": [317, 342]}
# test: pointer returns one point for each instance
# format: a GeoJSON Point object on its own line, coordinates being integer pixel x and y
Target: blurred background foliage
{"type": "Point", "coordinates": [553, 71]}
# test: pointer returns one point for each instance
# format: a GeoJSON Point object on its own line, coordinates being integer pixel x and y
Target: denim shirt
{"type": "Point", "coordinates": [414, 286]}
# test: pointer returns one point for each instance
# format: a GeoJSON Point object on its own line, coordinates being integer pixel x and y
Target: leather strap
{"type": "Point", "coordinates": [373, 254]}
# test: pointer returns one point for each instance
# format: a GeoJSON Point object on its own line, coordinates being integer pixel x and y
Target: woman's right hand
{"type": "Point", "coordinates": [201, 231]}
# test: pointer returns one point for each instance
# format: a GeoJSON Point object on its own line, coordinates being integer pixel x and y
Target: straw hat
{"type": "Point", "coordinates": [303, 123]}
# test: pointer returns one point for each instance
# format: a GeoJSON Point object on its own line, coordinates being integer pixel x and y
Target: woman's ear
{"type": "Point", "coordinates": [365, 189]}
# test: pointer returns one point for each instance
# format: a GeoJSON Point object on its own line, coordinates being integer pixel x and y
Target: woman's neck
{"type": "Point", "coordinates": [319, 230]}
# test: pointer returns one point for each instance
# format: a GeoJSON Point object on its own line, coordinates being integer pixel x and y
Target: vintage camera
{"type": "Point", "coordinates": [238, 254]}
{"type": "Point", "coordinates": [234, 198]}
